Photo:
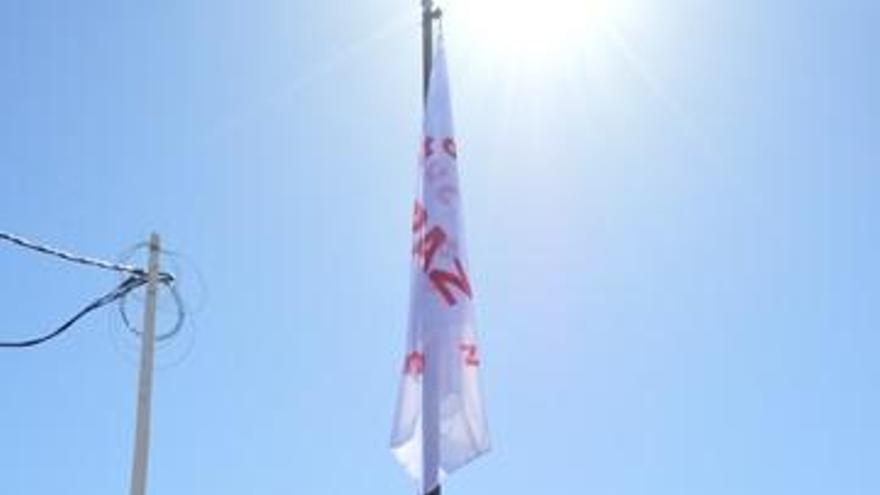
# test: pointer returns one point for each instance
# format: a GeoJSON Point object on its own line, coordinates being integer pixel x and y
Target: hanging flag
{"type": "Point", "coordinates": [439, 424]}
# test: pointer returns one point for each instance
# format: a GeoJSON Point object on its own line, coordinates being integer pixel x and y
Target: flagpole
{"type": "Point", "coordinates": [430, 407]}
{"type": "Point", "coordinates": [429, 15]}
{"type": "Point", "coordinates": [145, 379]}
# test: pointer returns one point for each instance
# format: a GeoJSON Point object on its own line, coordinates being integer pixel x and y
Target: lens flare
{"type": "Point", "coordinates": [528, 28]}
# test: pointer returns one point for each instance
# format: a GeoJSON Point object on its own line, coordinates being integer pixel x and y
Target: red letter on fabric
{"type": "Point", "coordinates": [427, 149]}
{"type": "Point", "coordinates": [420, 217]}
{"type": "Point", "coordinates": [450, 148]}
{"type": "Point", "coordinates": [414, 364]}
{"type": "Point", "coordinates": [471, 354]}
{"type": "Point", "coordinates": [443, 279]}
{"type": "Point", "coordinates": [427, 246]}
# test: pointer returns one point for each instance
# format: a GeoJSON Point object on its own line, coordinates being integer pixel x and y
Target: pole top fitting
{"type": "Point", "coordinates": [431, 12]}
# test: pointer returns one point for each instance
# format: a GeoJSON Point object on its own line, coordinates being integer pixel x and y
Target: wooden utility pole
{"type": "Point", "coordinates": [145, 379]}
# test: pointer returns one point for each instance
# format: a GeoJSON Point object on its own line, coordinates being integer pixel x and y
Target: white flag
{"type": "Point", "coordinates": [439, 424]}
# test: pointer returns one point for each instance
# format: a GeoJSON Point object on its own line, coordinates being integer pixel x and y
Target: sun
{"type": "Point", "coordinates": [527, 28]}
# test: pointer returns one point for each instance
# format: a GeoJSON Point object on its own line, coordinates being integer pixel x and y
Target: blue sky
{"type": "Point", "coordinates": [670, 223]}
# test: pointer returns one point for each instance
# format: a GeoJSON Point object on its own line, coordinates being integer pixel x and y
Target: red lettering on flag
{"type": "Point", "coordinates": [450, 148]}
{"type": "Point", "coordinates": [427, 245]}
{"type": "Point", "coordinates": [471, 354]}
{"type": "Point", "coordinates": [442, 280]}
{"type": "Point", "coordinates": [420, 217]}
{"type": "Point", "coordinates": [414, 363]}
{"type": "Point", "coordinates": [427, 149]}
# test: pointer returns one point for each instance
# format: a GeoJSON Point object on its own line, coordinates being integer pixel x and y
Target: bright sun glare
{"type": "Point", "coordinates": [529, 28]}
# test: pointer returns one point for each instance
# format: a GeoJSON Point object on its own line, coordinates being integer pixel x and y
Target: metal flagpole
{"type": "Point", "coordinates": [145, 380]}
{"type": "Point", "coordinates": [430, 407]}
{"type": "Point", "coordinates": [429, 14]}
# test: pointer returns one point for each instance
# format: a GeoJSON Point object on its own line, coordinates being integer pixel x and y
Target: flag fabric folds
{"type": "Point", "coordinates": [439, 423]}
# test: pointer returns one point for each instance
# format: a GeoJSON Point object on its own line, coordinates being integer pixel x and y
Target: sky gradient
{"type": "Point", "coordinates": [671, 231]}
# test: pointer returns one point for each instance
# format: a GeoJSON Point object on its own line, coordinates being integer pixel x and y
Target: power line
{"type": "Point", "coordinates": [164, 277]}
{"type": "Point", "coordinates": [137, 277]}
{"type": "Point", "coordinates": [129, 284]}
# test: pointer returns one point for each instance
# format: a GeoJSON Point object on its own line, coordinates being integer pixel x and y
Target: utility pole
{"type": "Point", "coordinates": [145, 379]}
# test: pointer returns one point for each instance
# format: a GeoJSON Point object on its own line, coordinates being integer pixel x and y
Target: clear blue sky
{"type": "Point", "coordinates": [672, 236]}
